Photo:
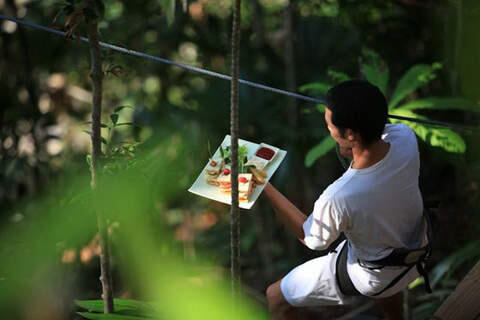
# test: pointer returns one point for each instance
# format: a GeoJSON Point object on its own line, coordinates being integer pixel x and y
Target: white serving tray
{"type": "Point", "coordinates": [202, 188]}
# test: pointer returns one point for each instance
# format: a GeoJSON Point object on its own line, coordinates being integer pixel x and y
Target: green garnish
{"type": "Point", "coordinates": [242, 156]}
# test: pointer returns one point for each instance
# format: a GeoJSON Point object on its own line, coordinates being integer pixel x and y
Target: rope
{"type": "Point", "coordinates": [225, 77]}
{"type": "Point", "coordinates": [235, 267]}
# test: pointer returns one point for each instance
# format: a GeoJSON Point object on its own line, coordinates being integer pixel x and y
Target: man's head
{"type": "Point", "coordinates": [356, 110]}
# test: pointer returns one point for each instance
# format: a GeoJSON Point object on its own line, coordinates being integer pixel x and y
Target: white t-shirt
{"type": "Point", "coordinates": [378, 208]}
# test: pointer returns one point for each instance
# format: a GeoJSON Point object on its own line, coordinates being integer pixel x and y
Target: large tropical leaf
{"type": "Point", "coordinates": [437, 137]}
{"type": "Point", "coordinates": [414, 78]}
{"type": "Point", "coordinates": [319, 150]}
{"type": "Point", "coordinates": [441, 103]}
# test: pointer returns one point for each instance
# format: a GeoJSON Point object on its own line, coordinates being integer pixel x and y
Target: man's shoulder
{"type": "Point", "coordinates": [338, 189]}
{"type": "Point", "coordinates": [397, 130]}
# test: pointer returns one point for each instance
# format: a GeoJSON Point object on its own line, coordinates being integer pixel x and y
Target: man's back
{"type": "Point", "coordinates": [382, 203]}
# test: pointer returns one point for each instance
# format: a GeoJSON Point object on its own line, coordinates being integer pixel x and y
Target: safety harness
{"type": "Point", "coordinates": [400, 257]}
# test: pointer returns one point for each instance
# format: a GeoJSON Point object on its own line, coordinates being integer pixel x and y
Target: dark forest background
{"type": "Point", "coordinates": [45, 93]}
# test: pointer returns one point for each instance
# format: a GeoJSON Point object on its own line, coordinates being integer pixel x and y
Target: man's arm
{"type": "Point", "coordinates": [286, 211]}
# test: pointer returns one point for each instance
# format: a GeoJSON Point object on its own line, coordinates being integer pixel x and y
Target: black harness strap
{"type": "Point", "coordinates": [343, 279]}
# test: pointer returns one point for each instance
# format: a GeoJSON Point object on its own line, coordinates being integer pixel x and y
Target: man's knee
{"type": "Point", "coordinates": [275, 297]}
{"type": "Point", "coordinates": [272, 294]}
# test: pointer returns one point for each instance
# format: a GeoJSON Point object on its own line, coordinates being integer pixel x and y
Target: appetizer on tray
{"type": "Point", "coordinates": [251, 169]}
{"type": "Point", "coordinates": [256, 162]}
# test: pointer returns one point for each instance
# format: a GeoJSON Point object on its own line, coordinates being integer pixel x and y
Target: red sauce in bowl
{"type": "Point", "coordinates": [265, 153]}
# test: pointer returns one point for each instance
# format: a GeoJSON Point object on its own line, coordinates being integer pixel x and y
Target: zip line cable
{"type": "Point", "coordinates": [223, 76]}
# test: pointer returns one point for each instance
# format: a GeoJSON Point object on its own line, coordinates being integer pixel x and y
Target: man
{"type": "Point", "coordinates": [376, 203]}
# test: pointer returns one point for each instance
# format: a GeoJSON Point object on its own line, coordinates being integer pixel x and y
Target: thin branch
{"type": "Point", "coordinates": [96, 74]}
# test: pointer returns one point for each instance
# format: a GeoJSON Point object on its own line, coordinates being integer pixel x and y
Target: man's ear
{"type": "Point", "coordinates": [350, 135]}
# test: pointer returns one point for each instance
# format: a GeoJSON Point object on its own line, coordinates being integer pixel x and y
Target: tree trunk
{"type": "Point", "coordinates": [234, 211]}
{"type": "Point", "coordinates": [96, 73]}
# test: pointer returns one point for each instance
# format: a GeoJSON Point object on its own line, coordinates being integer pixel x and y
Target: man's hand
{"type": "Point", "coordinates": [346, 152]}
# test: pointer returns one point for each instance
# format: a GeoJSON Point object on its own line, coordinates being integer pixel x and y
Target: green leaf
{"type": "Point", "coordinates": [126, 124]}
{"type": "Point", "coordinates": [416, 283]}
{"type": "Point", "coordinates": [319, 150]}
{"type": "Point", "coordinates": [441, 103]}
{"type": "Point", "coordinates": [121, 306]}
{"type": "Point", "coordinates": [416, 77]}
{"type": "Point", "coordinates": [321, 107]}
{"type": "Point", "coordinates": [109, 316]}
{"type": "Point", "coordinates": [120, 108]}
{"type": "Point", "coordinates": [320, 88]}
{"type": "Point", "coordinates": [169, 6]}
{"type": "Point", "coordinates": [375, 69]}
{"type": "Point", "coordinates": [114, 118]}
{"type": "Point", "coordinates": [90, 134]}
{"type": "Point", "coordinates": [337, 76]}
{"type": "Point", "coordinates": [376, 76]}
{"type": "Point", "coordinates": [89, 160]}
{"type": "Point", "coordinates": [437, 137]}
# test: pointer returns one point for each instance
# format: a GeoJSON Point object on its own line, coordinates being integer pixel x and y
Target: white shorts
{"type": "Point", "coordinates": [313, 283]}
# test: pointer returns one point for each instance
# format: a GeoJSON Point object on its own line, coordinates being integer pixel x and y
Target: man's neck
{"type": "Point", "coordinates": [365, 157]}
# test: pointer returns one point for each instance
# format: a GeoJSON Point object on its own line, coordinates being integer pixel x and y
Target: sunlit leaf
{"type": "Point", "coordinates": [415, 283]}
{"type": "Point", "coordinates": [416, 77]}
{"type": "Point", "coordinates": [441, 103]}
{"type": "Point", "coordinates": [319, 150]}
{"type": "Point", "coordinates": [438, 137]}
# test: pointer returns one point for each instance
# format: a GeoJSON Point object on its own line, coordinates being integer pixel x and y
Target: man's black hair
{"type": "Point", "coordinates": [360, 106]}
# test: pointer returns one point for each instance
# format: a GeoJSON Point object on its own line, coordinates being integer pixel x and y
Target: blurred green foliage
{"type": "Point", "coordinates": [169, 246]}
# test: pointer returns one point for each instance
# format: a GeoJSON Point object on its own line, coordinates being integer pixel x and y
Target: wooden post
{"type": "Point", "coordinates": [463, 303]}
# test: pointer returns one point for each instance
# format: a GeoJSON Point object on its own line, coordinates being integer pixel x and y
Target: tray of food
{"type": "Point", "coordinates": [257, 163]}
